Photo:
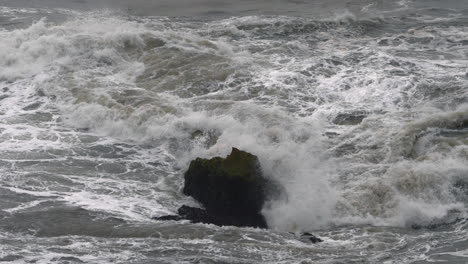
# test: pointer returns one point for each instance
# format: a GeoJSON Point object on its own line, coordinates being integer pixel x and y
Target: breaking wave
{"type": "Point", "coordinates": [360, 120]}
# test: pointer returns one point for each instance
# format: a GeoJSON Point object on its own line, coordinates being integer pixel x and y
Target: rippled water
{"type": "Point", "coordinates": [360, 112]}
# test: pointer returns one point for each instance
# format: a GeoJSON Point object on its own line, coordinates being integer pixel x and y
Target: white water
{"type": "Point", "coordinates": [90, 66]}
{"type": "Point", "coordinates": [268, 85]}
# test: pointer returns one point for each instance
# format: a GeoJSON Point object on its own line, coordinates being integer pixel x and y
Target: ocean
{"type": "Point", "coordinates": [357, 108]}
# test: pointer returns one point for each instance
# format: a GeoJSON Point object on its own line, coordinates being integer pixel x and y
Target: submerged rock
{"type": "Point", "coordinates": [310, 238]}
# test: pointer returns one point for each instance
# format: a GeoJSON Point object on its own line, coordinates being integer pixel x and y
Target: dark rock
{"type": "Point", "coordinates": [198, 215]}
{"type": "Point", "coordinates": [233, 185]}
{"type": "Point", "coordinates": [168, 218]}
{"type": "Point", "coordinates": [232, 190]}
{"type": "Point", "coordinates": [311, 238]}
{"type": "Point", "coordinates": [307, 237]}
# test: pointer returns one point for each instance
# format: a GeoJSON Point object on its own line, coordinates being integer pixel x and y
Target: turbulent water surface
{"type": "Point", "coordinates": [358, 108]}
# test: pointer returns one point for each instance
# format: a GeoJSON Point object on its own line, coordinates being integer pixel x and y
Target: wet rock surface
{"type": "Point", "coordinates": [199, 215]}
{"type": "Point", "coordinates": [308, 237]}
{"type": "Point", "coordinates": [232, 190]}
{"type": "Point", "coordinates": [234, 185]}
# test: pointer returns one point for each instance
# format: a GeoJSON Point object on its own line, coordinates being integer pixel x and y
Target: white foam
{"type": "Point", "coordinates": [278, 100]}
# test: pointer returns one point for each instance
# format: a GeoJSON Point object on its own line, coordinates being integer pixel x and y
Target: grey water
{"type": "Point", "coordinates": [358, 108]}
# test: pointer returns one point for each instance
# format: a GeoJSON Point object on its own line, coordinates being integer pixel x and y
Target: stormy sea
{"type": "Point", "coordinates": [357, 108]}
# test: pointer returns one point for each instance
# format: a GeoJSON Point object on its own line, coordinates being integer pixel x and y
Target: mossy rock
{"type": "Point", "coordinates": [231, 187]}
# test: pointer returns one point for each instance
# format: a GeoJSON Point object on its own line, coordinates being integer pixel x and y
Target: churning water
{"type": "Point", "coordinates": [360, 110]}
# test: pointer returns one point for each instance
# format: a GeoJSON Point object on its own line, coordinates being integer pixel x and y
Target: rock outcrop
{"type": "Point", "coordinates": [232, 190]}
